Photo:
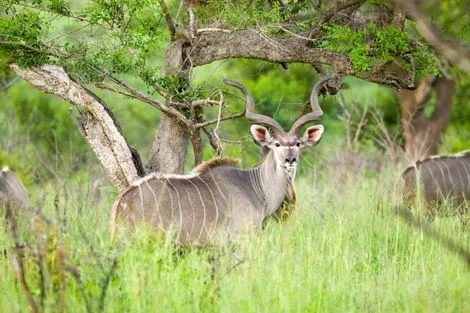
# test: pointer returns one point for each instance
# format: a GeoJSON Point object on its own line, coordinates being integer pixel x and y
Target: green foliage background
{"type": "Point", "coordinates": [44, 123]}
{"type": "Point", "coordinates": [128, 38]}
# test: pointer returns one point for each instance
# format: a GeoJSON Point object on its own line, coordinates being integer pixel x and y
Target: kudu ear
{"type": "Point", "coordinates": [261, 135]}
{"type": "Point", "coordinates": [313, 135]}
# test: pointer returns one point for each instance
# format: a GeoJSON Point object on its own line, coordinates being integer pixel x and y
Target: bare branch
{"type": "Point", "coordinates": [76, 275]}
{"type": "Point", "coordinates": [213, 135]}
{"type": "Point", "coordinates": [152, 102]}
{"type": "Point", "coordinates": [204, 102]}
{"type": "Point", "coordinates": [76, 17]}
{"type": "Point", "coordinates": [107, 281]}
{"type": "Point", "coordinates": [213, 29]}
{"type": "Point", "coordinates": [17, 254]}
{"type": "Point", "coordinates": [35, 49]}
{"type": "Point", "coordinates": [218, 120]}
{"type": "Point", "coordinates": [219, 115]}
{"type": "Point", "coordinates": [68, 33]}
{"type": "Point", "coordinates": [102, 85]}
{"type": "Point", "coordinates": [192, 23]}
{"type": "Point", "coordinates": [361, 124]}
{"type": "Point", "coordinates": [145, 98]}
{"type": "Point", "coordinates": [102, 131]}
{"type": "Point", "coordinates": [169, 21]}
{"type": "Point", "coordinates": [19, 271]}
{"type": "Point", "coordinates": [235, 142]}
{"type": "Point", "coordinates": [214, 141]}
{"type": "Point", "coordinates": [297, 35]}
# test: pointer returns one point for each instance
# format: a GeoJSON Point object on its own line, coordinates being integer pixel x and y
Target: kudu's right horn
{"type": "Point", "coordinates": [250, 106]}
{"type": "Point", "coordinates": [317, 112]}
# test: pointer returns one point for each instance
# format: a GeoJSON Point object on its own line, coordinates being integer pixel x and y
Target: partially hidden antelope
{"type": "Point", "coordinates": [12, 190]}
{"type": "Point", "coordinates": [440, 180]}
{"type": "Point", "coordinates": [219, 201]}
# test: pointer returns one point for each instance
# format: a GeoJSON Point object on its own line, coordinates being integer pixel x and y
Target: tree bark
{"type": "Point", "coordinates": [121, 162]}
{"type": "Point", "coordinates": [169, 148]}
{"type": "Point", "coordinates": [422, 134]}
{"type": "Point", "coordinates": [170, 143]}
{"type": "Point", "coordinates": [215, 45]}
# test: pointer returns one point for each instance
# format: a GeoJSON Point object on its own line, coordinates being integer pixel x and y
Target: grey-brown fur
{"type": "Point", "coordinates": [199, 208]}
{"type": "Point", "coordinates": [441, 178]}
{"type": "Point", "coordinates": [224, 161]}
{"type": "Point", "coordinates": [12, 189]}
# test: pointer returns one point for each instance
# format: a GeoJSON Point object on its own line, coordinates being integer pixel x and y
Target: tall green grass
{"type": "Point", "coordinates": [344, 251]}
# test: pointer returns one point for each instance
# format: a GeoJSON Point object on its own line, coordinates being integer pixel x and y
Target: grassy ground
{"type": "Point", "coordinates": [345, 251]}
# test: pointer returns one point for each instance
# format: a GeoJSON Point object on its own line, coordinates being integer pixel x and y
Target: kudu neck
{"type": "Point", "coordinates": [272, 181]}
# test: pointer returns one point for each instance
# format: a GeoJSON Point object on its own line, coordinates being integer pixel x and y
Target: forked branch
{"type": "Point", "coordinates": [99, 126]}
{"type": "Point", "coordinates": [169, 20]}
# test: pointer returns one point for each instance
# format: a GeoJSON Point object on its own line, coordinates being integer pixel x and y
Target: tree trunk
{"type": "Point", "coordinates": [169, 148]}
{"type": "Point", "coordinates": [422, 133]}
{"type": "Point", "coordinates": [97, 124]}
{"type": "Point", "coordinates": [170, 143]}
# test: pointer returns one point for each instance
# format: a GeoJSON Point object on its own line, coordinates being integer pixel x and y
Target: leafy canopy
{"type": "Point", "coordinates": [92, 38]}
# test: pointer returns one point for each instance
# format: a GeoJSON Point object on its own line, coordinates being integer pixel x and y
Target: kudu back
{"type": "Point", "coordinates": [220, 201]}
{"type": "Point", "coordinates": [12, 190]}
{"type": "Point", "coordinates": [440, 179]}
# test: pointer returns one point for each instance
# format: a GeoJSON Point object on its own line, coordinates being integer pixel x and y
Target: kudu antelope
{"type": "Point", "coordinates": [219, 201]}
{"type": "Point", "coordinates": [12, 190]}
{"type": "Point", "coordinates": [440, 179]}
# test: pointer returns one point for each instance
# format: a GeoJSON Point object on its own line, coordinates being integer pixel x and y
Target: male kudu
{"type": "Point", "coordinates": [219, 201]}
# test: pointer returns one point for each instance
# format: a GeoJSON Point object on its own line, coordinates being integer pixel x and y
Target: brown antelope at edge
{"type": "Point", "coordinates": [440, 179]}
{"type": "Point", "coordinates": [220, 201]}
{"type": "Point", "coordinates": [12, 190]}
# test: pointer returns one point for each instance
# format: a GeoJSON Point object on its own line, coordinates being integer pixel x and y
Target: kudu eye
{"type": "Point", "coordinates": [298, 144]}
{"type": "Point", "coordinates": [277, 144]}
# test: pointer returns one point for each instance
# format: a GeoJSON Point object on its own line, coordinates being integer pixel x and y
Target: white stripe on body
{"type": "Point", "coordinates": [204, 208]}
{"type": "Point", "coordinates": [179, 207]}
{"type": "Point", "coordinates": [191, 207]}
{"type": "Point", "coordinates": [460, 177]}
{"type": "Point", "coordinates": [450, 177]}
{"type": "Point", "coordinates": [254, 177]}
{"type": "Point", "coordinates": [467, 172]}
{"type": "Point", "coordinates": [171, 201]}
{"type": "Point", "coordinates": [157, 206]}
{"type": "Point", "coordinates": [217, 185]}
{"type": "Point", "coordinates": [432, 176]}
{"type": "Point", "coordinates": [141, 202]}
{"type": "Point", "coordinates": [215, 202]}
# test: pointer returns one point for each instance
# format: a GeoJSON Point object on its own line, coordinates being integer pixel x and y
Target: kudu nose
{"type": "Point", "coordinates": [291, 160]}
